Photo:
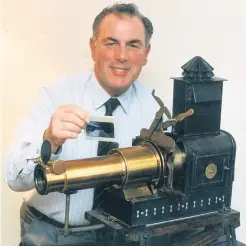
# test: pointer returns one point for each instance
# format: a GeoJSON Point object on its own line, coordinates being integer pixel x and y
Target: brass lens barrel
{"type": "Point", "coordinates": [121, 166]}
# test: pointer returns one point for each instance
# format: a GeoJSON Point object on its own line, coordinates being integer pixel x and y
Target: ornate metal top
{"type": "Point", "coordinates": [197, 69]}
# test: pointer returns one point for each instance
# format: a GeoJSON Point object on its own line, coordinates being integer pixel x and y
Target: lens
{"type": "Point", "coordinates": [40, 180]}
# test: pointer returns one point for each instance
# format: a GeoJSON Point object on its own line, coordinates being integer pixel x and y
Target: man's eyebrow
{"type": "Point", "coordinates": [110, 39]}
{"type": "Point", "coordinates": [133, 41]}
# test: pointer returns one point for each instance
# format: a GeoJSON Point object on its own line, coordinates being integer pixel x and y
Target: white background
{"type": "Point", "coordinates": [47, 39]}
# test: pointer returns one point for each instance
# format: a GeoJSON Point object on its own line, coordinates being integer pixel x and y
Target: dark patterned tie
{"type": "Point", "coordinates": [104, 148]}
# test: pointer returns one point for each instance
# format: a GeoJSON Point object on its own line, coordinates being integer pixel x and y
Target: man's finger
{"type": "Point", "coordinates": [72, 118]}
{"type": "Point", "coordinates": [66, 126]}
{"type": "Point", "coordinates": [78, 111]}
{"type": "Point", "coordinates": [66, 134]}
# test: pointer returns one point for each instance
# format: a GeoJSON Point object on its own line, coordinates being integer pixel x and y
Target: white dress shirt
{"type": "Point", "coordinates": [137, 111]}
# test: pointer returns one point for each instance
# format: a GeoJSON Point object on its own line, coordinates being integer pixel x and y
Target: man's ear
{"type": "Point", "coordinates": [92, 46]}
{"type": "Point", "coordinates": [147, 50]}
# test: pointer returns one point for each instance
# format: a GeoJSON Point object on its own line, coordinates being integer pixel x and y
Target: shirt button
{"type": "Point", "coordinates": [37, 151]}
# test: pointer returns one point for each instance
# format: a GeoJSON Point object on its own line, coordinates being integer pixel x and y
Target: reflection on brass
{"type": "Point", "coordinates": [122, 166]}
{"type": "Point", "coordinates": [58, 167]}
{"type": "Point", "coordinates": [211, 171]}
{"type": "Point", "coordinates": [179, 158]}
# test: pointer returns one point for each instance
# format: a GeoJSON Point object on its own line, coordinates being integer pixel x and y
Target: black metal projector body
{"type": "Point", "coordinates": [203, 184]}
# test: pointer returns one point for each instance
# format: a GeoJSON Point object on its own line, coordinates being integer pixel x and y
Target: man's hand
{"type": "Point", "coordinates": [66, 123]}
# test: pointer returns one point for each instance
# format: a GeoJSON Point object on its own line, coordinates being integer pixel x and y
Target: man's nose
{"type": "Point", "coordinates": [122, 53]}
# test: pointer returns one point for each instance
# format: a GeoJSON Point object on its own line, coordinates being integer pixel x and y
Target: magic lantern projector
{"type": "Point", "coordinates": [163, 176]}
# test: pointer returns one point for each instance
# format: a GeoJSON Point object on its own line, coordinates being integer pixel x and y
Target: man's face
{"type": "Point", "coordinates": [119, 52]}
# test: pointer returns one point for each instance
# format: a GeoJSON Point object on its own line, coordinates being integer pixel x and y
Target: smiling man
{"type": "Point", "coordinates": [119, 47]}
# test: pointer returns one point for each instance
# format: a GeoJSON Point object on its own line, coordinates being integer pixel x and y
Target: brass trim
{"type": "Point", "coordinates": [159, 155]}
{"type": "Point", "coordinates": [211, 170]}
{"type": "Point", "coordinates": [124, 168]}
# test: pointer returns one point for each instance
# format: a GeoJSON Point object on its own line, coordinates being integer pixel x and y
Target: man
{"type": "Point", "coordinates": [119, 47]}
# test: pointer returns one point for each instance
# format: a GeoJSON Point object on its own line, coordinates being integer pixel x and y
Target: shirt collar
{"type": "Point", "coordinates": [100, 96]}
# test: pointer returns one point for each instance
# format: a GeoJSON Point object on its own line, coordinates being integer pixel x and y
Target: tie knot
{"type": "Point", "coordinates": [111, 105]}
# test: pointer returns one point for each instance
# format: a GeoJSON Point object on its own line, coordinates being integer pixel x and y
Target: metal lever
{"type": "Point", "coordinates": [161, 104]}
{"type": "Point", "coordinates": [180, 117]}
{"type": "Point", "coordinates": [156, 124]}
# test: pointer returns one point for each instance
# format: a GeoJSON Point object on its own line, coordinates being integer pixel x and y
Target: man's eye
{"type": "Point", "coordinates": [110, 44]}
{"type": "Point", "coordinates": [133, 45]}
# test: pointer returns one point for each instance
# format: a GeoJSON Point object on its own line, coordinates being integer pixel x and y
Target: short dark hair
{"type": "Point", "coordinates": [123, 8]}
